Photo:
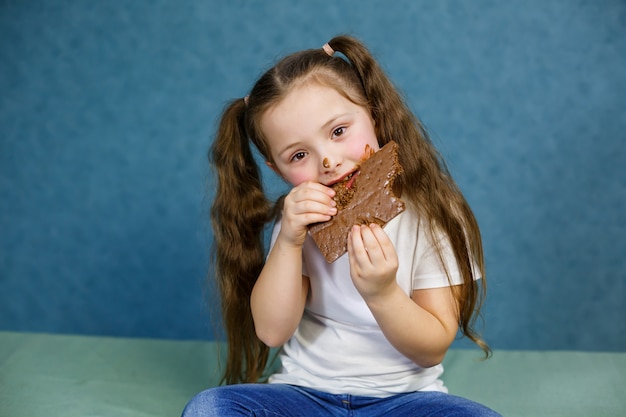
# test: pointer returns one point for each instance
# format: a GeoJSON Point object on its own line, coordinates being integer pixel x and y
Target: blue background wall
{"type": "Point", "coordinates": [107, 110]}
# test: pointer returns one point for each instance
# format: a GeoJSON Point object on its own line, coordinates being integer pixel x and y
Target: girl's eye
{"type": "Point", "coordinates": [339, 131]}
{"type": "Point", "coordinates": [298, 156]}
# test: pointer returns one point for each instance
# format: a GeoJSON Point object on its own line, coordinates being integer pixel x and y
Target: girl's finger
{"type": "Point", "coordinates": [371, 243]}
{"type": "Point", "coordinates": [355, 243]}
{"type": "Point", "coordinates": [314, 191]}
{"type": "Point", "coordinates": [385, 244]}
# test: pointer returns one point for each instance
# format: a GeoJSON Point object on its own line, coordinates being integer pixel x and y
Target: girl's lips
{"type": "Point", "coordinates": [352, 178]}
{"type": "Point", "coordinates": [348, 179]}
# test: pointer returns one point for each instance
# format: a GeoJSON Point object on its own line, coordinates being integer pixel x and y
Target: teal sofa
{"type": "Point", "coordinates": [66, 375]}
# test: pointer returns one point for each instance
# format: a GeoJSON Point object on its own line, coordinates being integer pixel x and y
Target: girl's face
{"type": "Point", "coordinates": [316, 134]}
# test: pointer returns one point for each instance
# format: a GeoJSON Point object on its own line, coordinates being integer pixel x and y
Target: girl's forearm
{"type": "Point", "coordinates": [421, 335]}
{"type": "Point", "coordinates": [279, 295]}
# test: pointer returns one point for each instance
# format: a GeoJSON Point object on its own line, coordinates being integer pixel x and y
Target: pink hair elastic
{"type": "Point", "coordinates": [330, 51]}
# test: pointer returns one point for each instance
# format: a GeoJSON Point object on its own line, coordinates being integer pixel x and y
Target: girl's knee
{"type": "Point", "coordinates": [204, 404]}
{"type": "Point", "coordinates": [463, 407]}
{"type": "Point", "coordinates": [442, 404]}
{"type": "Point", "coordinates": [231, 400]}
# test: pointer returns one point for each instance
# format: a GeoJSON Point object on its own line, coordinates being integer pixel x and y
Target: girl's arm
{"type": "Point", "coordinates": [280, 293]}
{"type": "Point", "coordinates": [422, 326]}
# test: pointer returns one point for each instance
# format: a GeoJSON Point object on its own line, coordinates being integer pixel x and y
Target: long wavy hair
{"type": "Point", "coordinates": [241, 210]}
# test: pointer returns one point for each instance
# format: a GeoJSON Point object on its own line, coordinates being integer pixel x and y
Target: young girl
{"type": "Point", "coordinates": [366, 334]}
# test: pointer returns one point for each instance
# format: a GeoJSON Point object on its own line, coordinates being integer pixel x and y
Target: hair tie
{"type": "Point", "coordinates": [246, 99]}
{"type": "Point", "coordinates": [327, 48]}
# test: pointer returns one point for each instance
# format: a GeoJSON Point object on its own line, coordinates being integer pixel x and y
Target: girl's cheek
{"type": "Point", "coordinates": [363, 149]}
{"type": "Point", "coordinates": [297, 178]}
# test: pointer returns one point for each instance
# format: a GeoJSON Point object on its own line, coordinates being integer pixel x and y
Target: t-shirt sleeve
{"type": "Point", "coordinates": [429, 271]}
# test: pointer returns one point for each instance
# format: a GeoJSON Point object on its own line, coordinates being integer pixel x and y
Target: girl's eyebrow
{"type": "Point", "coordinates": [333, 120]}
{"type": "Point", "coordinates": [288, 148]}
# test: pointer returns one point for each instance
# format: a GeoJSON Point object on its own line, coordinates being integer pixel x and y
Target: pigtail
{"type": "Point", "coordinates": [426, 181]}
{"type": "Point", "coordinates": [239, 213]}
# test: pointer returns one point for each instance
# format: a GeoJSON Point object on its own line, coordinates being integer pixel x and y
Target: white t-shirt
{"type": "Point", "coordinates": [338, 346]}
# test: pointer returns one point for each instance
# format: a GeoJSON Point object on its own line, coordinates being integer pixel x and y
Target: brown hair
{"type": "Point", "coordinates": [241, 210]}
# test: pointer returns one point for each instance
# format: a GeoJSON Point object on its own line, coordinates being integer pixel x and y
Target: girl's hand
{"type": "Point", "coordinates": [307, 203]}
{"type": "Point", "coordinates": [373, 261]}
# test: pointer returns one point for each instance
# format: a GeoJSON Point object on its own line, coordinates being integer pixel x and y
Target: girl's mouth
{"type": "Point", "coordinates": [349, 180]}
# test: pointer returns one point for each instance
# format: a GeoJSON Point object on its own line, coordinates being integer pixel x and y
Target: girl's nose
{"type": "Point", "coordinates": [330, 163]}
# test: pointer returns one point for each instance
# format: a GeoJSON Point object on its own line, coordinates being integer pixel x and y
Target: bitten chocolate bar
{"type": "Point", "coordinates": [368, 197]}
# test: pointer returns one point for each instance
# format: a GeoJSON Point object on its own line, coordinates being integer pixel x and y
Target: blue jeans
{"type": "Point", "coordinates": [273, 400]}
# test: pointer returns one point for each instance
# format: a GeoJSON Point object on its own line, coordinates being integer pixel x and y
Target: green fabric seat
{"type": "Point", "coordinates": [61, 375]}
